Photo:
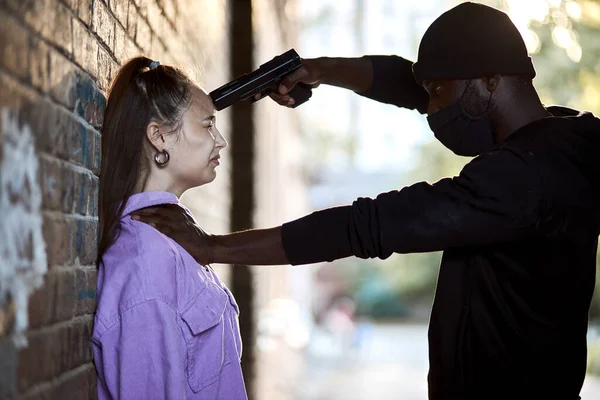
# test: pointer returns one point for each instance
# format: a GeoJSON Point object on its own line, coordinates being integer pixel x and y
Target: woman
{"type": "Point", "coordinates": [166, 327]}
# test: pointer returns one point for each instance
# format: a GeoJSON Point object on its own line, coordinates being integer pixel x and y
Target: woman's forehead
{"type": "Point", "coordinates": [202, 104]}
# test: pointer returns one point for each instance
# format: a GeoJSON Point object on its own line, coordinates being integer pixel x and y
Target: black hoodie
{"type": "Point", "coordinates": [519, 229]}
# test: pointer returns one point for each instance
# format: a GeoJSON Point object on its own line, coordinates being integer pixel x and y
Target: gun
{"type": "Point", "coordinates": [266, 79]}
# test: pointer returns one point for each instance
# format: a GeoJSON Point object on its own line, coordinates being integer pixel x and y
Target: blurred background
{"type": "Point", "coordinates": [352, 329]}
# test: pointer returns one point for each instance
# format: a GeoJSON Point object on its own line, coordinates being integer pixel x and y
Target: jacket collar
{"type": "Point", "coordinates": [148, 199]}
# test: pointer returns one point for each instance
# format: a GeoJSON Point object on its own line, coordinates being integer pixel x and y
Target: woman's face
{"type": "Point", "coordinates": [194, 152]}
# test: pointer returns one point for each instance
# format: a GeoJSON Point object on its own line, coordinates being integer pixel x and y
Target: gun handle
{"type": "Point", "coordinates": [301, 92]}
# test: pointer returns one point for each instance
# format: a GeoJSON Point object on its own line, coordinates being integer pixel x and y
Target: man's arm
{"type": "Point", "coordinates": [251, 247]}
{"type": "Point", "coordinates": [387, 79]}
{"type": "Point", "coordinates": [393, 83]}
{"type": "Point", "coordinates": [494, 199]}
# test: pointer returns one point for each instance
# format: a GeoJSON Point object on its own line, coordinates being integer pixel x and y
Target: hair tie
{"type": "Point", "coordinates": [154, 65]}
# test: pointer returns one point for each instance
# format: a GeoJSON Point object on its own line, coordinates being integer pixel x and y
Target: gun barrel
{"type": "Point", "coordinates": [267, 75]}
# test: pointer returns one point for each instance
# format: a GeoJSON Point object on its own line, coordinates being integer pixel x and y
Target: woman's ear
{"type": "Point", "coordinates": [154, 135]}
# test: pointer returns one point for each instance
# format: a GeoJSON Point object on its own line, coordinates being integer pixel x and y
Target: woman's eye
{"type": "Point", "coordinates": [437, 88]}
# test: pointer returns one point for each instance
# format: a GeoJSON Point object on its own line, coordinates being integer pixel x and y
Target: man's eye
{"type": "Point", "coordinates": [436, 88]}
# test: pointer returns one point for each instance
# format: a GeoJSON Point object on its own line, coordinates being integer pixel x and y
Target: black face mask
{"type": "Point", "coordinates": [461, 132]}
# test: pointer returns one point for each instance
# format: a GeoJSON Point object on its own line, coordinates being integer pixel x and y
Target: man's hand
{"type": "Point", "coordinates": [354, 74]}
{"type": "Point", "coordinates": [309, 73]}
{"type": "Point", "coordinates": [175, 222]}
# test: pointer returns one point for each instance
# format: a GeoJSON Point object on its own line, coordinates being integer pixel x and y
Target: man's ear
{"type": "Point", "coordinates": [491, 82]}
{"type": "Point", "coordinates": [154, 135]}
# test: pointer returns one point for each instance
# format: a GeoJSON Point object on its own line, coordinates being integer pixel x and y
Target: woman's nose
{"type": "Point", "coordinates": [221, 142]}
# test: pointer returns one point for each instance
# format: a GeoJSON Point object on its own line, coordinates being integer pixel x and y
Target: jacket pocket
{"type": "Point", "coordinates": [207, 338]}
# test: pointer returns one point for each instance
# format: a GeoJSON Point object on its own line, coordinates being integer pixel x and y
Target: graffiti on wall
{"type": "Point", "coordinates": [22, 247]}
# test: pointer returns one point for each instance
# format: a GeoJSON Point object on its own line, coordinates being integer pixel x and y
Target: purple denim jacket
{"type": "Point", "coordinates": [165, 327]}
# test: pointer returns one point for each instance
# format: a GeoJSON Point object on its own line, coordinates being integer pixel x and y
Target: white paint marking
{"type": "Point", "coordinates": [23, 260]}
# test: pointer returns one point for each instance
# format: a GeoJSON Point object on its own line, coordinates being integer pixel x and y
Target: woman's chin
{"type": "Point", "coordinates": [205, 180]}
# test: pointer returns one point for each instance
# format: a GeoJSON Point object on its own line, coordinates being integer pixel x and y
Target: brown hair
{"type": "Point", "coordinates": [137, 96]}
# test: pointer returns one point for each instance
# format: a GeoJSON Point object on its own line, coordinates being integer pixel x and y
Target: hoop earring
{"type": "Point", "coordinates": [161, 158]}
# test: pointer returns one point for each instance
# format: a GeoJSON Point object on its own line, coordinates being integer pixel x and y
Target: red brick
{"type": "Point", "coordinates": [77, 384]}
{"type": "Point", "coordinates": [71, 4]}
{"type": "Point", "coordinates": [50, 181]}
{"type": "Point", "coordinates": [57, 239]}
{"type": "Point", "coordinates": [158, 50]}
{"type": "Point", "coordinates": [142, 6]}
{"type": "Point", "coordinates": [132, 18]}
{"type": "Point", "coordinates": [155, 17]}
{"type": "Point", "coordinates": [90, 100]}
{"type": "Point", "coordinates": [95, 188]}
{"type": "Point", "coordinates": [120, 9]}
{"type": "Point", "coordinates": [67, 191]}
{"type": "Point", "coordinates": [83, 193]}
{"type": "Point", "coordinates": [143, 36]}
{"type": "Point", "coordinates": [103, 24]}
{"type": "Point", "coordinates": [80, 143]}
{"type": "Point", "coordinates": [35, 111]}
{"type": "Point", "coordinates": [51, 19]}
{"type": "Point", "coordinates": [85, 48]}
{"type": "Point", "coordinates": [85, 283]}
{"type": "Point", "coordinates": [57, 30]}
{"type": "Point", "coordinates": [14, 95]}
{"type": "Point", "coordinates": [59, 122]}
{"type": "Point", "coordinates": [120, 43]}
{"type": "Point", "coordinates": [84, 11]}
{"type": "Point", "coordinates": [8, 378]}
{"type": "Point", "coordinates": [65, 292]}
{"type": "Point", "coordinates": [84, 233]}
{"type": "Point", "coordinates": [53, 351]}
{"type": "Point", "coordinates": [170, 10]}
{"type": "Point", "coordinates": [36, 14]}
{"type": "Point", "coordinates": [14, 46]}
{"type": "Point", "coordinates": [62, 79]}
{"type": "Point", "coordinates": [97, 153]}
{"type": "Point", "coordinates": [39, 65]}
{"type": "Point", "coordinates": [42, 302]}
{"type": "Point", "coordinates": [104, 68]}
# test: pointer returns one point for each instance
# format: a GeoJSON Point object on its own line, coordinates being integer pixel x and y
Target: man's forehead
{"type": "Point", "coordinates": [428, 83]}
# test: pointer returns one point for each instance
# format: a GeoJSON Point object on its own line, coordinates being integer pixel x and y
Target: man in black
{"type": "Point", "coordinates": [518, 226]}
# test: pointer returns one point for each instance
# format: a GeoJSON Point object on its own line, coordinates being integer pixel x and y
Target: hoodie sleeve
{"type": "Point", "coordinates": [495, 198]}
{"type": "Point", "coordinates": [393, 83]}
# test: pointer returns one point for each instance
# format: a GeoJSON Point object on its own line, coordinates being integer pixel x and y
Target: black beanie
{"type": "Point", "coordinates": [472, 41]}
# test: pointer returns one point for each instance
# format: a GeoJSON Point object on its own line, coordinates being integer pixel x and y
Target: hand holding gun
{"type": "Point", "coordinates": [262, 82]}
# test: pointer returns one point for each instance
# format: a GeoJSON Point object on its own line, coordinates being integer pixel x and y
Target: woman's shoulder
{"type": "Point", "coordinates": [141, 265]}
{"type": "Point", "coordinates": [145, 247]}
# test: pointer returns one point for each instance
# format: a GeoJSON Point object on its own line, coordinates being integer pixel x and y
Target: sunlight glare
{"type": "Point", "coordinates": [574, 52]}
{"type": "Point", "coordinates": [520, 10]}
{"type": "Point", "coordinates": [532, 41]}
{"type": "Point", "coordinates": [560, 19]}
{"type": "Point", "coordinates": [562, 37]}
{"type": "Point", "coordinates": [573, 9]}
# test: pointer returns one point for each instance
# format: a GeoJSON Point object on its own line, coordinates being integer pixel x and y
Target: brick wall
{"type": "Point", "coordinates": [56, 58]}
